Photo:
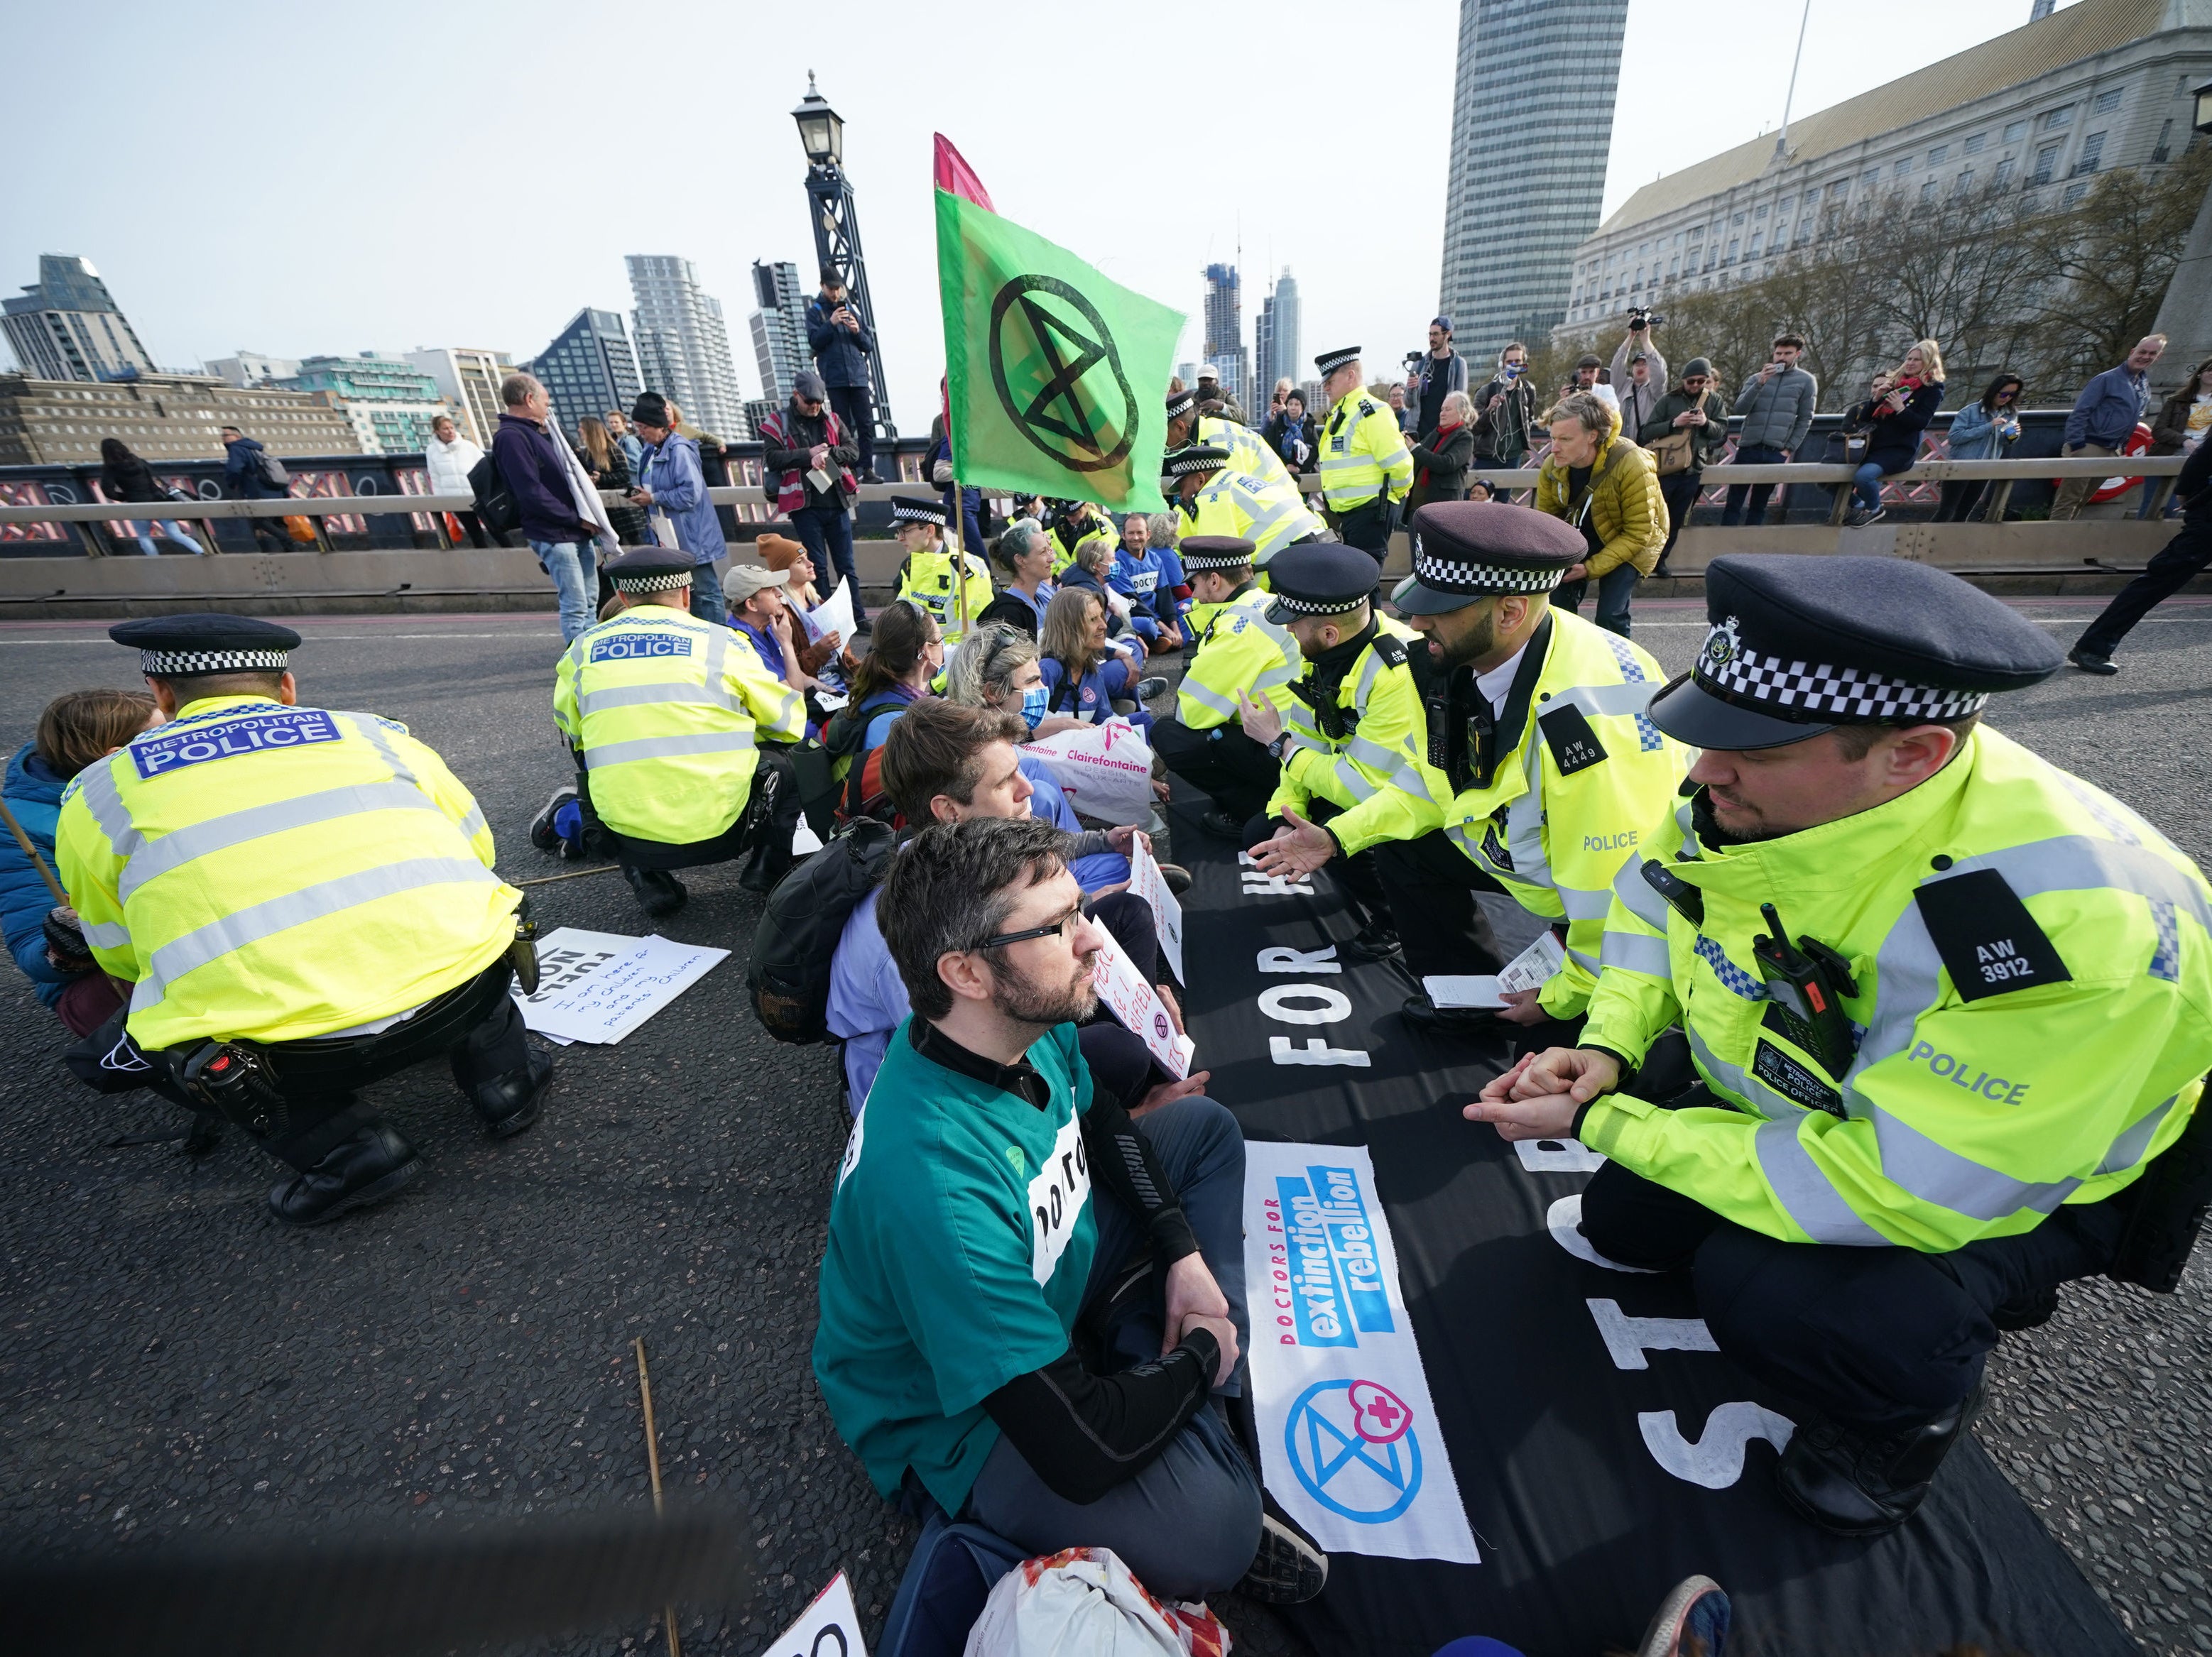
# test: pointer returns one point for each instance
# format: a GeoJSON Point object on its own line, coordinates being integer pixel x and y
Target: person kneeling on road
{"type": "Point", "coordinates": [665, 714]}
{"type": "Point", "coordinates": [1946, 1003]}
{"type": "Point", "coordinates": [1241, 654]}
{"type": "Point", "coordinates": [1039, 1358]}
{"type": "Point", "coordinates": [947, 762]}
{"type": "Point", "coordinates": [304, 900]}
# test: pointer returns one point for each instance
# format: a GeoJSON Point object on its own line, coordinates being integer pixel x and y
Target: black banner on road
{"type": "Point", "coordinates": [1602, 1450]}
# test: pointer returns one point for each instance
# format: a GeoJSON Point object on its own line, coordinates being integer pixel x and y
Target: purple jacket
{"type": "Point", "coordinates": [538, 479]}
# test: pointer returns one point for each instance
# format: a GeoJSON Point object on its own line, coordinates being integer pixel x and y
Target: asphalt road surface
{"type": "Point", "coordinates": [173, 1364]}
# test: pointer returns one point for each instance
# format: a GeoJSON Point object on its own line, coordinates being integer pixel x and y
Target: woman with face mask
{"type": "Point", "coordinates": [997, 667]}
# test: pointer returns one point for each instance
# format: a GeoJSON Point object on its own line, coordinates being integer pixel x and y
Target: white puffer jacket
{"type": "Point", "coordinates": [450, 464]}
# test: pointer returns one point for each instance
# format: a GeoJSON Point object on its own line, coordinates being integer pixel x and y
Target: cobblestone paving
{"type": "Point", "coordinates": [172, 1364]}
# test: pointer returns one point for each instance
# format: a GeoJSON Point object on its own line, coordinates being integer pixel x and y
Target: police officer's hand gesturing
{"type": "Point", "coordinates": [1262, 720]}
{"type": "Point", "coordinates": [1299, 847]}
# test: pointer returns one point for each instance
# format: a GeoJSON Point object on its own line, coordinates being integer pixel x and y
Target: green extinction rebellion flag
{"type": "Point", "coordinates": [1056, 377]}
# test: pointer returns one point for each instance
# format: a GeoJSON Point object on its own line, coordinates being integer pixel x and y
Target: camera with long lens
{"type": "Point", "coordinates": [1643, 316]}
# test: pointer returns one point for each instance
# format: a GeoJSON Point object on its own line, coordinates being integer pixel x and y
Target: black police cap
{"type": "Point", "coordinates": [1464, 550]}
{"type": "Point", "coordinates": [910, 509]}
{"type": "Point", "coordinates": [175, 647]}
{"type": "Point", "coordinates": [650, 569]}
{"type": "Point", "coordinates": [1216, 552]}
{"type": "Point", "coordinates": [1318, 578]}
{"type": "Point", "coordinates": [1796, 646]}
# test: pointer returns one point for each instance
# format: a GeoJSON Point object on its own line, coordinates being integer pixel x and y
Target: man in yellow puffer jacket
{"type": "Point", "coordinates": [1596, 479]}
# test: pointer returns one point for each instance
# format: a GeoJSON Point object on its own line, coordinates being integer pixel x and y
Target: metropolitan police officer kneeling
{"type": "Point", "coordinates": [1947, 1005]}
{"type": "Point", "coordinates": [304, 902]}
{"type": "Point", "coordinates": [667, 713]}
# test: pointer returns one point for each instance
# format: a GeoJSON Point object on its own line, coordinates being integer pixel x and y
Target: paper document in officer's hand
{"type": "Point", "coordinates": [599, 986]}
{"type": "Point", "coordinates": [1526, 971]}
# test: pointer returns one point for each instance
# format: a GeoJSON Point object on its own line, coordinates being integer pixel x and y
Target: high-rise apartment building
{"type": "Point", "coordinates": [389, 402]}
{"type": "Point", "coordinates": [245, 368]}
{"type": "Point", "coordinates": [589, 369]}
{"type": "Point", "coordinates": [1532, 123]}
{"type": "Point", "coordinates": [469, 378]}
{"type": "Point", "coordinates": [1275, 337]}
{"type": "Point", "coordinates": [684, 345]}
{"type": "Point", "coordinates": [779, 329]}
{"type": "Point", "coordinates": [1224, 331]}
{"type": "Point", "coordinates": [67, 326]}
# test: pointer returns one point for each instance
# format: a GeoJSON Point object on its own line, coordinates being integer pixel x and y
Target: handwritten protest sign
{"type": "Point", "coordinates": [1148, 883]}
{"type": "Point", "coordinates": [830, 1627]}
{"type": "Point", "coordinates": [599, 986]}
{"type": "Point", "coordinates": [1137, 1004]}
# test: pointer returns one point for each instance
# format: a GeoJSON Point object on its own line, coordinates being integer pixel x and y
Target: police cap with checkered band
{"type": "Point", "coordinates": [1318, 578]}
{"type": "Point", "coordinates": [650, 569]}
{"type": "Point", "coordinates": [1465, 550]}
{"type": "Point", "coordinates": [1796, 646]}
{"type": "Point", "coordinates": [178, 646]}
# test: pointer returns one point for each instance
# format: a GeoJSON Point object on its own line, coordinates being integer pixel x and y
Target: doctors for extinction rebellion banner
{"type": "Point", "coordinates": [1347, 1427]}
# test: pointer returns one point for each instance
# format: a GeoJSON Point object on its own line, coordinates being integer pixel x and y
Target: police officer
{"type": "Point", "coordinates": [1079, 523]}
{"type": "Point", "coordinates": [1242, 658]}
{"type": "Point", "coordinates": [666, 714]}
{"type": "Point", "coordinates": [1355, 732]}
{"type": "Point", "coordinates": [1248, 452]}
{"type": "Point", "coordinates": [925, 574]}
{"type": "Point", "coordinates": [1949, 998]}
{"type": "Point", "coordinates": [1218, 501]}
{"type": "Point", "coordinates": [1366, 467]}
{"type": "Point", "coordinates": [303, 902]}
{"type": "Point", "coordinates": [1550, 768]}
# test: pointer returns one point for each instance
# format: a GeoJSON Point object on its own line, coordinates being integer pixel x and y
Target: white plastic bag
{"type": "Point", "coordinates": [1106, 770]}
{"type": "Point", "coordinates": [1083, 1602]}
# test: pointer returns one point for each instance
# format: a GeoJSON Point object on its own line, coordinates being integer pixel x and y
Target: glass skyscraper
{"type": "Point", "coordinates": [1532, 122]}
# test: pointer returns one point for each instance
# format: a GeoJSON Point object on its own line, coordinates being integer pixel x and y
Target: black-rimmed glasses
{"type": "Point", "coordinates": [1000, 940]}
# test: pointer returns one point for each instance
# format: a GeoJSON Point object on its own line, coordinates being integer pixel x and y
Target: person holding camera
{"type": "Point", "coordinates": [1686, 433]}
{"type": "Point", "coordinates": [1505, 412]}
{"type": "Point", "coordinates": [841, 343]}
{"type": "Point", "coordinates": [1436, 375]}
{"type": "Point", "coordinates": [1639, 372]}
{"type": "Point", "coordinates": [1776, 404]}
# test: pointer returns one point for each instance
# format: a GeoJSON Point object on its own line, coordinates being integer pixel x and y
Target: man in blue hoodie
{"type": "Point", "coordinates": [841, 343]}
{"type": "Point", "coordinates": [241, 469]}
{"type": "Point", "coordinates": [671, 487]}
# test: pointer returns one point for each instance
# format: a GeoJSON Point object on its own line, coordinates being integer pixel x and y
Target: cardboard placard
{"type": "Point", "coordinates": [1148, 883]}
{"type": "Point", "coordinates": [1137, 1006]}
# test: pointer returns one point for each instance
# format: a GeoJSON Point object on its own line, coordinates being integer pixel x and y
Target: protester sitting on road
{"type": "Point", "coordinates": [1161, 532]}
{"type": "Point", "coordinates": [818, 656]}
{"type": "Point", "coordinates": [905, 652]}
{"type": "Point", "coordinates": [1290, 434]}
{"type": "Point", "coordinates": [1090, 572]}
{"type": "Point", "coordinates": [1602, 484]}
{"type": "Point", "coordinates": [1024, 553]}
{"type": "Point", "coordinates": [1083, 674]}
{"type": "Point", "coordinates": [1140, 576]}
{"type": "Point", "coordinates": [943, 1350]}
{"type": "Point", "coordinates": [945, 763]}
{"type": "Point", "coordinates": [755, 595]}
{"type": "Point", "coordinates": [1894, 413]}
{"type": "Point", "coordinates": [124, 476]}
{"type": "Point", "coordinates": [42, 931]}
{"type": "Point", "coordinates": [1980, 431]}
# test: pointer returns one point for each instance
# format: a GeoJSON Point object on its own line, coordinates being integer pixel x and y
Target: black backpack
{"type": "Point", "coordinates": [789, 978]}
{"type": "Point", "coordinates": [495, 508]}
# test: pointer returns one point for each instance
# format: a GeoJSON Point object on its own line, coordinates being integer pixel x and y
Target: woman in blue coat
{"type": "Point", "coordinates": [75, 731]}
{"type": "Point", "coordinates": [1083, 676]}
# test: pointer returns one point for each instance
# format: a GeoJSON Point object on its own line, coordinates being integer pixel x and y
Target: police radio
{"type": "Point", "coordinates": [1805, 985]}
{"type": "Point", "coordinates": [235, 1080]}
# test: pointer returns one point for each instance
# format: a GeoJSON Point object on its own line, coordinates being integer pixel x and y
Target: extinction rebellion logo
{"type": "Point", "coordinates": [1085, 416]}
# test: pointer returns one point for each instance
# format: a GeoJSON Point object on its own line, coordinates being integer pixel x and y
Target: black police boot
{"type": "Point", "coordinates": [659, 892]}
{"type": "Point", "coordinates": [2030, 1311]}
{"type": "Point", "coordinates": [1376, 941]}
{"type": "Point", "coordinates": [2090, 662]}
{"type": "Point", "coordinates": [765, 868]}
{"type": "Point", "coordinates": [509, 1104]}
{"type": "Point", "coordinates": [543, 834]}
{"type": "Point", "coordinates": [1218, 823]}
{"type": "Point", "coordinates": [364, 1169]}
{"type": "Point", "coordinates": [1855, 1483]}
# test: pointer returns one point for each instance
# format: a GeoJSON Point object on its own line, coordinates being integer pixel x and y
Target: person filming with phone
{"type": "Point", "coordinates": [1505, 413]}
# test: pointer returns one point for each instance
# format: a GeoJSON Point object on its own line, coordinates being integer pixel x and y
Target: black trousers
{"type": "Point", "coordinates": [1680, 491]}
{"type": "Point", "coordinates": [1883, 1338]}
{"type": "Point", "coordinates": [766, 825]}
{"type": "Point", "coordinates": [2184, 555]}
{"type": "Point", "coordinates": [1429, 885]}
{"type": "Point", "coordinates": [1357, 873]}
{"type": "Point", "coordinates": [1223, 764]}
{"type": "Point", "coordinates": [1368, 528]}
{"type": "Point", "coordinates": [1960, 497]}
{"type": "Point", "coordinates": [476, 1025]}
{"type": "Point", "coordinates": [856, 412]}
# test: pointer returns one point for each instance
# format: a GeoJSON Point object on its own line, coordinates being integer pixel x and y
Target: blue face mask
{"type": "Point", "coordinates": [1033, 701]}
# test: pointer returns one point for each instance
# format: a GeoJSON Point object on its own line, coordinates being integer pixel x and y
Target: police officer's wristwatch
{"type": "Point", "coordinates": [1275, 748]}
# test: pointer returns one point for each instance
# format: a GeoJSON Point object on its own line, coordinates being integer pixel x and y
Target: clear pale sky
{"type": "Point", "coordinates": [301, 179]}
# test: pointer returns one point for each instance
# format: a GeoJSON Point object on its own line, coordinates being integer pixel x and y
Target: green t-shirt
{"type": "Point", "coordinates": [961, 1236]}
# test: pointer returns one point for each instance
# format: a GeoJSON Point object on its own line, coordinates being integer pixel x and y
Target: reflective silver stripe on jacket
{"type": "Point", "coordinates": [1618, 700]}
{"type": "Point", "coordinates": [1636, 896]}
{"type": "Point", "coordinates": [235, 931]}
{"type": "Point", "coordinates": [642, 696]}
{"type": "Point", "coordinates": [370, 727]}
{"type": "Point", "coordinates": [174, 850]}
{"type": "Point", "coordinates": [1208, 698]}
{"type": "Point", "coordinates": [1636, 952]}
{"type": "Point", "coordinates": [664, 748]}
{"type": "Point", "coordinates": [1804, 1192]}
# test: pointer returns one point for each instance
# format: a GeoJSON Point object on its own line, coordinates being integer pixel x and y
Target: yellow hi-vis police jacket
{"type": "Point", "coordinates": [1384, 744]}
{"type": "Point", "coordinates": [1573, 790]}
{"type": "Point", "coordinates": [1100, 528]}
{"type": "Point", "coordinates": [1270, 516]}
{"type": "Point", "coordinates": [926, 578]}
{"type": "Point", "coordinates": [1248, 452]}
{"type": "Point", "coordinates": [1240, 650]}
{"type": "Point", "coordinates": [665, 710]}
{"type": "Point", "coordinates": [2033, 1013]}
{"type": "Point", "coordinates": [1363, 453]}
{"type": "Point", "coordinates": [275, 873]}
